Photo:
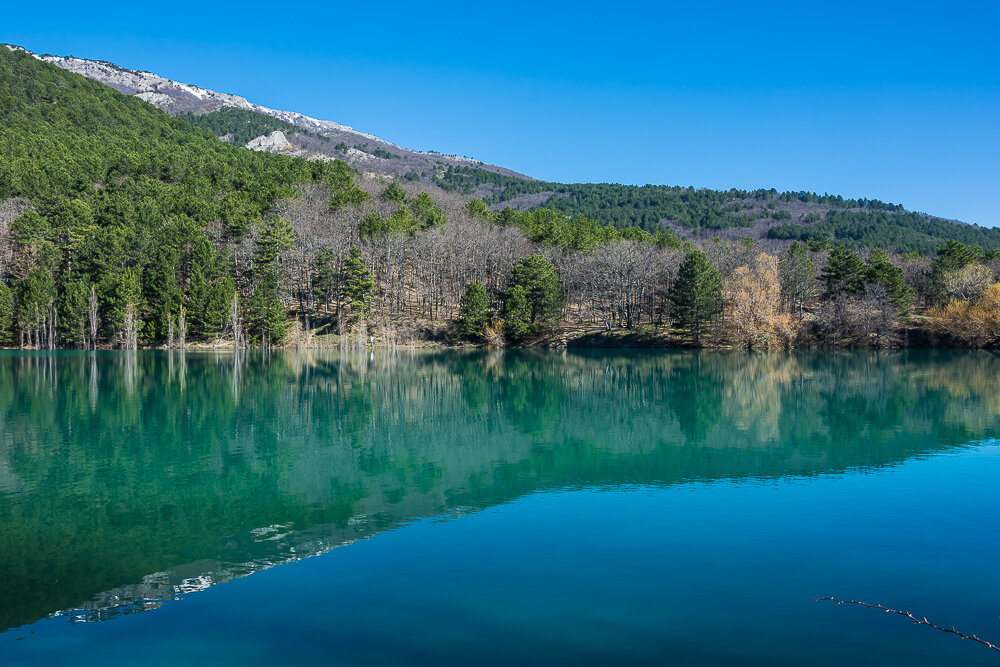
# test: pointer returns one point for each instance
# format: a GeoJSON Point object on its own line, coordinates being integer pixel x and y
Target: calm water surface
{"type": "Point", "coordinates": [477, 508]}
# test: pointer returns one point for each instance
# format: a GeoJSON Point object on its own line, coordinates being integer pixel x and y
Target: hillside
{"type": "Point", "coordinates": [692, 213]}
{"type": "Point", "coordinates": [121, 225]}
{"type": "Point", "coordinates": [228, 116]}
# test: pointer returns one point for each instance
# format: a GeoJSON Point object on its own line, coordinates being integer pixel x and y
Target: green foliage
{"type": "Point", "coordinates": [266, 319]}
{"type": "Point", "coordinates": [819, 243]}
{"type": "Point", "coordinates": [649, 206]}
{"type": "Point", "coordinates": [377, 152]}
{"type": "Point", "coordinates": [217, 307]}
{"type": "Point", "coordinates": [350, 196]}
{"type": "Point", "coordinates": [211, 289]}
{"type": "Point", "coordinates": [241, 125]}
{"type": "Point", "coordinates": [578, 234]}
{"type": "Point", "coordinates": [537, 279]}
{"type": "Point", "coordinates": [36, 294]}
{"type": "Point", "coordinates": [276, 236]}
{"type": "Point", "coordinates": [358, 283]}
{"type": "Point", "coordinates": [843, 273]}
{"type": "Point", "coordinates": [951, 258]}
{"type": "Point", "coordinates": [696, 296]}
{"type": "Point", "coordinates": [6, 314]}
{"type": "Point", "coordinates": [474, 312]}
{"type": "Point", "coordinates": [121, 194]}
{"type": "Point", "coordinates": [426, 211]}
{"type": "Point", "coordinates": [954, 255]}
{"type": "Point", "coordinates": [419, 214]}
{"type": "Point", "coordinates": [394, 193]}
{"type": "Point", "coordinates": [73, 312]}
{"type": "Point", "coordinates": [116, 292]}
{"type": "Point", "coordinates": [31, 229]}
{"type": "Point", "coordinates": [880, 271]}
{"type": "Point", "coordinates": [516, 314]}
{"type": "Point", "coordinates": [896, 229]}
{"type": "Point", "coordinates": [477, 208]}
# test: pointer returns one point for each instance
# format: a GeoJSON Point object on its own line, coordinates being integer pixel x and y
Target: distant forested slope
{"type": "Point", "coordinates": [862, 223]}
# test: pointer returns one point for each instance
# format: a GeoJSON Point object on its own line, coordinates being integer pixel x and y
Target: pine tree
{"type": "Point", "coordinates": [843, 273]}
{"type": "Point", "coordinates": [542, 290]}
{"type": "Point", "coordinates": [218, 306]}
{"type": "Point", "coordinates": [275, 236]}
{"type": "Point", "coordinates": [267, 321]}
{"type": "Point", "coordinates": [474, 312]}
{"type": "Point", "coordinates": [358, 283]}
{"type": "Point", "coordinates": [73, 310]}
{"type": "Point", "coordinates": [394, 193]}
{"type": "Point", "coordinates": [951, 258]}
{"type": "Point", "coordinates": [36, 294]}
{"type": "Point", "coordinates": [201, 273]}
{"type": "Point", "coordinates": [880, 271]}
{"type": "Point", "coordinates": [6, 314]}
{"type": "Point", "coordinates": [516, 314]}
{"type": "Point", "coordinates": [696, 296]}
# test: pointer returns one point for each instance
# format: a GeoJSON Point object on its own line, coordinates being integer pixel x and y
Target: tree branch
{"type": "Point", "coordinates": [918, 621]}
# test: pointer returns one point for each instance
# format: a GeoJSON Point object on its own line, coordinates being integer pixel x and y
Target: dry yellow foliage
{"type": "Point", "coordinates": [752, 314]}
{"type": "Point", "coordinates": [975, 323]}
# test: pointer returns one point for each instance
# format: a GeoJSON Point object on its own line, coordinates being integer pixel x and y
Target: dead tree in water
{"type": "Point", "coordinates": [918, 621]}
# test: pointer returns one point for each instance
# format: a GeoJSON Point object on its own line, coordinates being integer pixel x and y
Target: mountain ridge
{"type": "Point", "coordinates": [177, 98]}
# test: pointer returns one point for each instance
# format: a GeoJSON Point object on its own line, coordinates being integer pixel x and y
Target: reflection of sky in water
{"type": "Point", "coordinates": [633, 504]}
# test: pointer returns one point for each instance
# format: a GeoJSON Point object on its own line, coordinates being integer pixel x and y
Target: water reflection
{"type": "Point", "coordinates": [127, 479]}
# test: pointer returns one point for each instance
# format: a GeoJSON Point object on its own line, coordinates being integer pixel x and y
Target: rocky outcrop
{"type": "Point", "coordinates": [276, 142]}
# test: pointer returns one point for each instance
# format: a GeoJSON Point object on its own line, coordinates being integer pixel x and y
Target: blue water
{"type": "Point", "coordinates": [704, 547]}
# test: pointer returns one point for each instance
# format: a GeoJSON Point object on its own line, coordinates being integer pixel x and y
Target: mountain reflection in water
{"type": "Point", "coordinates": [129, 479]}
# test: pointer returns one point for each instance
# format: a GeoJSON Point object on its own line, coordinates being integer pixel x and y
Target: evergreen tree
{"type": "Point", "coordinates": [542, 290]}
{"type": "Point", "coordinates": [820, 243]}
{"type": "Point", "coordinates": [216, 311]}
{"type": "Point", "coordinates": [477, 208]}
{"type": "Point", "coordinates": [266, 320]}
{"type": "Point", "coordinates": [358, 283]}
{"type": "Point", "coordinates": [74, 306]}
{"type": "Point", "coordinates": [276, 236]}
{"type": "Point", "coordinates": [696, 296]}
{"type": "Point", "coordinates": [843, 273]}
{"type": "Point", "coordinates": [880, 271]}
{"type": "Point", "coordinates": [117, 292]}
{"type": "Point", "coordinates": [516, 314]}
{"type": "Point", "coordinates": [36, 294]}
{"type": "Point", "coordinates": [162, 289]}
{"type": "Point", "coordinates": [951, 258]}
{"type": "Point", "coordinates": [201, 275]}
{"type": "Point", "coordinates": [474, 312]}
{"type": "Point", "coordinates": [394, 193]}
{"type": "Point", "coordinates": [6, 314]}
{"type": "Point", "coordinates": [426, 211]}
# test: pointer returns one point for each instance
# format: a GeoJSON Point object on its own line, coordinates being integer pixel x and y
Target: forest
{"type": "Point", "coordinates": [123, 227]}
{"type": "Point", "coordinates": [858, 223]}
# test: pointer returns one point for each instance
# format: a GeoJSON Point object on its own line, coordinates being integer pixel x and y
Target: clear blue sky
{"type": "Point", "coordinates": [895, 101]}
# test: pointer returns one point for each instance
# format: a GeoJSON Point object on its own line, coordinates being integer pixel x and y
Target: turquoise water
{"type": "Point", "coordinates": [487, 508]}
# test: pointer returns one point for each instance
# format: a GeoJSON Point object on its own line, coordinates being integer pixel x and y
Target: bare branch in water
{"type": "Point", "coordinates": [918, 621]}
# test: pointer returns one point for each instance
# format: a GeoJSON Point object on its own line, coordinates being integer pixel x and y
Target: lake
{"type": "Point", "coordinates": [529, 507]}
